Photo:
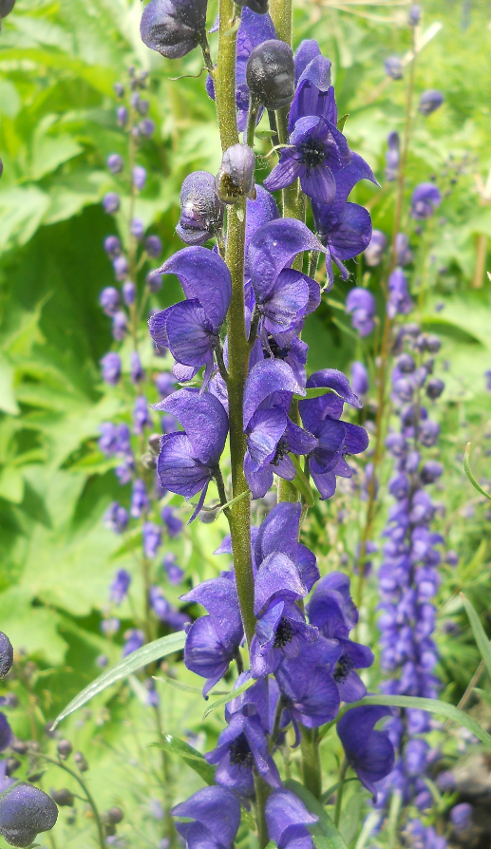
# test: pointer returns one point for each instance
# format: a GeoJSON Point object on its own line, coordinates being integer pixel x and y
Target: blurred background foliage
{"type": "Point", "coordinates": [59, 60]}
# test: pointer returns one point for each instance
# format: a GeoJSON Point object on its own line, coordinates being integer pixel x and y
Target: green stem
{"type": "Point", "coordinates": [339, 794]}
{"type": "Point", "coordinates": [281, 12]}
{"type": "Point", "coordinates": [291, 197]}
{"type": "Point", "coordinates": [262, 793]}
{"type": "Point", "coordinates": [251, 121]}
{"type": "Point", "coordinates": [311, 766]}
{"type": "Point", "coordinates": [225, 75]}
{"type": "Point", "coordinates": [166, 783]}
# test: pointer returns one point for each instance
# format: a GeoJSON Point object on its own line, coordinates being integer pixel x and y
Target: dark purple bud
{"type": "Point", "coordinates": [424, 201]}
{"type": "Point", "coordinates": [173, 27]}
{"type": "Point", "coordinates": [81, 762]}
{"type": "Point", "coordinates": [109, 300]}
{"type": "Point", "coordinates": [201, 209]}
{"type": "Point", "coordinates": [153, 246]}
{"type": "Point", "coordinates": [154, 280]}
{"type": "Point", "coordinates": [393, 67]}
{"type": "Point", "coordinates": [270, 74]}
{"type": "Point", "coordinates": [6, 654]}
{"type": "Point", "coordinates": [139, 175]}
{"type": "Point", "coordinates": [120, 266]}
{"type": "Point", "coordinates": [122, 116]}
{"type": "Point", "coordinates": [112, 246]}
{"type": "Point", "coordinates": [414, 15]}
{"type": "Point", "coordinates": [64, 749]}
{"type": "Point", "coordinates": [403, 389]}
{"type": "Point", "coordinates": [146, 127]}
{"type": "Point", "coordinates": [236, 175]}
{"type": "Point", "coordinates": [111, 202]}
{"type": "Point", "coordinates": [430, 101]}
{"type": "Point", "coordinates": [429, 432]}
{"type": "Point", "coordinates": [392, 156]}
{"type": "Point", "coordinates": [431, 471]}
{"type": "Point", "coordinates": [137, 372]}
{"type": "Point", "coordinates": [129, 292]}
{"type": "Point", "coordinates": [118, 89]}
{"type": "Point", "coordinates": [142, 106]}
{"type": "Point", "coordinates": [406, 364]}
{"type": "Point", "coordinates": [137, 228]}
{"type": "Point", "coordinates": [63, 797]}
{"type": "Point", "coordinates": [435, 388]}
{"type": "Point", "coordinates": [433, 344]}
{"type": "Point", "coordinates": [374, 252]}
{"type": "Point", "coordinates": [120, 326]}
{"type": "Point", "coordinates": [114, 815]}
{"type": "Point", "coordinates": [120, 586]}
{"type": "Point", "coordinates": [115, 163]}
{"type": "Point", "coordinates": [461, 816]}
{"type": "Point", "coordinates": [25, 811]}
{"type": "Point", "coordinates": [111, 368]}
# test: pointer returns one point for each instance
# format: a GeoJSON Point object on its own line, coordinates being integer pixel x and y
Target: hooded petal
{"type": "Point", "coordinates": [334, 379]}
{"type": "Point", "coordinates": [188, 339]}
{"type": "Point", "coordinates": [203, 275]}
{"type": "Point", "coordinates": [278, 577]}
{"type": "Point", "coordinates": [279, 531]}
{"type": "Point", "coordinates": [318, 183]}
{"type": "Point", "coordinates": [217, 808]}
{"type": "Point", "coordinates": [267, 377]}
{"type": "Point", "coordinates": [265, 431]}
{"type": "Point", "coordinates": [309, 100]}
{"type": "Point", "coordinates": [287, 302]}
{"type": "Point", "coordinates": [274, 247]}
{"type": "Point", "coordinates": [258, 481]}
{"type": "Point", "coordinates": [284, 809]}
{"type": "Point", "coordinates": [204, 420]}
{"type": "Point", "coordinates": [370, 753]}
{"type": "Point", "coordinates": [177, 467]}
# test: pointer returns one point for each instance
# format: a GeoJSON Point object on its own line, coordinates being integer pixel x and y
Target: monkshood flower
{"type": "Point", "coordinates": [120, 267]}
{"type": "Point", "coordinates": [312, 65]}
{"type": "Point", "coordinates": [115, 163]}
{"type": "Point", "coordinates": [213, 641]}
{"type": "Point", "coordinates": [6, 733]}
{"type": "Point", "coordinates": [114, 439]}
{"type": "Point", "coordinates": [139, 499]}
{"type": "Point", "coordinates": [120, 586]}
{"type": "Point", "coordinates": [374, 252]}
{"type": "Point", "coordinates": [139, 176]}
{"type": "Point", "coordinates": [120, 326]}
{"type": "Point", "coordinates": [137, 374]}
{"type": "Point", "coordinates": [361, 304]}
{"type": "Point", "coordinates": [279, 534]}
{"type": "Point", "coordinates": [213, 817]}
{"type": "Point", "coordinates": [111, 202]}
{"type": "Point", "coordinates": [287, 819]}
{"type": "Point", "coordinates": [152, 539]}
{"type": "Point", "coordinates": [461, 816]}
{"type": "Point", "coordinates": [25, 811]}
{"type": "Point", "coordinates": [191, 328]}
{"type": "Point", "coordinates": [111, 368]}
{"type": "Point", "coordinates": [430, 101]}
{"type": "Point", "coordinates": [370, 753]}
{"type": "Point", "coordinates": [141, 415]}
{"type": "Point", "coordinates": [392, 156]}
{"type": "Point", "coordinates": [345, 230]}
{"type": "Point", "coordinates": [173, 523]}
{"type": "Point", "coordinates": [116, 518]}
{"type": "Point", "coordinates": [271, 435]}
{"type": "Point", "coordinates": [307, 686]}
{"type": "Point", "coordinates": [189, 460]}
{"type": "Point", "coordinates": [165, 611]}
{"type": "Point", "coordinates": [174, 27]}
{"type": "Point", "coordinates": [403, 252]}
{"type": "Point", "coordinates": [393, 67]}
{"type": "Point", "coordinates": [270, 74]}
{"type": "Point", "coordinates": [422, 836]}
{"type": "Point", "coordinates": [112, 246]}
{"type": "Point", "coordinates": [174, 572]}
{"type": "Point", "coordinates": [153, 246]}
{"type": "Point", "coordinates": [110, 300]}
{"type": "Point", "coordinates": [359, 378]}
{"type": "Point", "coordinates": [6, 654]}
{"type": "Point", "coordinates": [399, 301]}
{"type": "Point", "coordinates": [129, 292]}
{"type": "Point", "coordinates": [425, 200]}
{"type": "Point", "coordinates": [281, 631]}
{"type": "Point", "coordinates": [134, 640]}
{"type": "Point", "coordinates": [414, 15]}
{"type": "Point", "coordinates": [320, 416]}
{"type": "Point", "coordinates": [201, 209]}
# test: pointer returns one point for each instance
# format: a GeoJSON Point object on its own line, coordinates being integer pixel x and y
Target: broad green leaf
{"type": "Point", "coordinates": [191, 756]}
{"type": "Point", "coordinates": [8, 404]}
{"type": "Point", "coordinates": [469, 474]}
{"type": "Point", "coordinates": [229, 697]}
{"type": "Point", "coordinates": [479, 633]}
{"type": "Point", "coordinates": [11, 484]}
{"type": "Point", "coordinates": [136, 660]}
{"type": "Point", "coordinates": [324, 833]}
{"type": "Point", "coordinates": [432, 706]}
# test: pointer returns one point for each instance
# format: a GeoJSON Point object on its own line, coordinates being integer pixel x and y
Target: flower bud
{"type": "Point", "coordinates": [25, 811]}
{"type": "Point", "coordinates": [64, 749]}
{"type": "Point", "coordinates": [122, 116]}
{"type": "Point", "coordinates": [435, 388]}
{"type": "Point", "coordinates": [139, 177]}
{"type": "Point", "coordinates": [6, 654]}
{"type": "Point", "coordinates": [153, 246]}
{"type": "Point", "coordinates": [260, 7]}
{"type": "Point", "coordinates": [81, 762]}
{"type": "Point", "coordinates": [173, 27]}
{"type": "Point", "coordinates": [414, 15]}
{"type": "Point", "coordinates": [111, 202]}
{"type": "Point", "coordinates": [374, 252]}
{"type": "Point", "coordinates": [63, 797]}
{"type": "Point", "coordinates": [118, 89]}
{"type": "Point", "coordinates": [120, 266]}
{"type": "Point", "coordinates": [114, 815]}
{"type": "Point", "coordinates": [120, 326]}
{"type": "Point", "coordinates": [430, 101]}
{"type": "Point", "coordinates": [115, 163]}
{"type": "Point", "coordinates": [236, 175]}
{"type": "Point", "coordinates": [154, 281]}
{"type": "Point", "coordinates": [137, 228]}
{"type": "Point", "coordinates": [201, 209]}
{"type": "Point", "coordinates": [109, 300]}
{"type": "Point", "coordinates": [393, 67]}
{"type": "Point", "coordinates": [129, 292]}
{"type": "Point", "coordinates": [112, 246]}
{"type": "Point", "coordinates": [146, 127]}
{"type": "Point", "coordinates": [1, 166]}
{"type": "Point", "coordinates": [111, 368]}
{"type": "Point", "coordinates": [270, 74]}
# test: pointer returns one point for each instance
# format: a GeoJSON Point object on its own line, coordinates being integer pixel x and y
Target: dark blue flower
{"type": "Point", "coordinates": [213, 817]}
{"type": "Point", "coordinates": [369, 752]}
{"type": "Point", "coordinates": [287, 819]}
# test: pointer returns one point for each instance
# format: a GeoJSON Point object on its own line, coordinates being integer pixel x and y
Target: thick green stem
{"type": "Point", "coordinates": [339, 794]}
{"type": "Point", "coordinates": [262, 793]}
{"type": "Point", "coordinates": [291, 196]}
{"type": "Point", "coordinates": [225, 75]}
{"type": "Point", "coordinates": [281, 12]}
{"type": "Point", "coordinates": [311, 765]}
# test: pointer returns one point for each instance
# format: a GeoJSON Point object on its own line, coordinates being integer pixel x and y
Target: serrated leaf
{"type": "Point", "coordinates": [432, 706]}
{"type": "Point", "coordinates": [229, 697]}
{"type": "Point", "coordinates": [469, 474]}
{"type": "Point", "coordinates": [324, 833]}
{"type": "Point", "coordinates": [480, 637]}
{"type": "Point", "coordinates": [191, 756]}
{"type": "Point", "coordinates": [136, 660]}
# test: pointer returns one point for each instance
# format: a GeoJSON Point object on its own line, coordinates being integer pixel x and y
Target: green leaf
{"type": "Point", "coordinates": [228, 698]}
{"type": "Point", "coordinates": [432, 706]}
{"type": "Point", "coordinates": [479, 633]}
{"type": "Point", "coordinates": [342, 122]}
{"type": "Point", "coordinates": [316, 392]}
{"type": "Point", "coordinates": [484, 695]}
{"type": "Point", "coordinates": [324, 833]}
{"type": "Point", "coordinates": [265, 134]}
{"type": "Point", "coordinates": [177, 685]}
{"type": "Point", "coordinates": [191, 756]}
{"type": "Point", "coordinates": [11, 485]}
{"type": "Point", "coordinates": [469, 474]}
{"type": "Point", "coordinates": [136, 660]}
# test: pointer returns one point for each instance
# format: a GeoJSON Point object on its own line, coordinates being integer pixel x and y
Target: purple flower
{"type": "Point", "coordinates": [139, 174]}
{"type": "Point", "coordinates": [141, 416]}
{"type": "Point", "coordinates": [115, 163]}
{"type": "Point", "coordinates": [109, 300]}
{"type": "Point", "coordinates": [111, 368]}
{"type": "Point", "coordinates": [370, 753]}
{"type": "Point", "coordinates": [311, 65]}
{"type": "Point", "coordinates": [242, 746]}
{"type": "Point", "coordinates": [122, 116]}
{"type": "Point", "coordinates": [152, 539]}
{"type": "Point", "coordinates": [120, 266]}
{"type": "Point", "coordinates": [461, 816]}
{"type": "Point", "coordinates": [393, 67]}
{"type": "Point", "coordinates": [25, 811]}
{"type": "Point", "coordinates": [173, 27]}
{"type": "Point", "coordinates": [5, 780]}
{"type": "Point", "coordinates": [399, 300]}
{"type": "Point", "coordinates": [134, 640]}
{"type": "Point", "coordinates": [112, 246]}
{"type": "Point", "coordinates": [116, 518]}
{"type": "Point", "coordinates": [359, 378]}
{"type": "Point", "coordinates": [153, 246]}
{"type": "Point", "coordinates": [345, 230]}
{"type": "Point", "coordinates": [403, 252]}
{"type": "Point", "coordinates": [172, 522]}
{"type": "Point", "coordinates": [110, 626]}
{"type": "Point", "coordinates": [201, 209]}
{"type": "Point", "coordinates": [154, 281]}
{"type": "Point", "coordinates": [119, 326]}
{"type": "Point", "coordinates": [424, 201]}
{"type": "Point", "coordinates": [287, 819]}
{"type": "Point", "coordinates": [129, 292]}
{"type": "Point", "coordinates": [213, 641]}
{"type": "Point", "coordinates": [120, 586]}
{"type": "Point", "coordinates": [392, 156]}
{"type": "Point", "coordinates": [375, 250]}
{"type": "Point", "coordinates": [191, 328]}
{"type": "Point", "coordinates": [137, 228]}
{"type": "Point", "coordinates": [307, 685]}
{"type": "Point", "coordinates": [361, 303]}
{"type": "Point", "coordinates": [111, 202]}
{"type": "Point", "coordinates": [139, 499]}
{"type": "Point", "coordinates": [165, 383]}
{"type": "Point", "coordinates": [6, 733]}
{"type": "Point", "coordinates": [280, 632]}
{"type": "Point", "coordinates": [174, 572]}
{"type": "Point", "coordinates": [414, 15]}
{"type": "Point", "coordinates": [137, 375]}
{"type": "Point", "coordinates": [215, 816]}
{"type": "Point", "coordinates": [146, 128]}
{"type": "Point", "coordinates": [430, 101]}
{"type": "Point", "coordinates": [188, 460]}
